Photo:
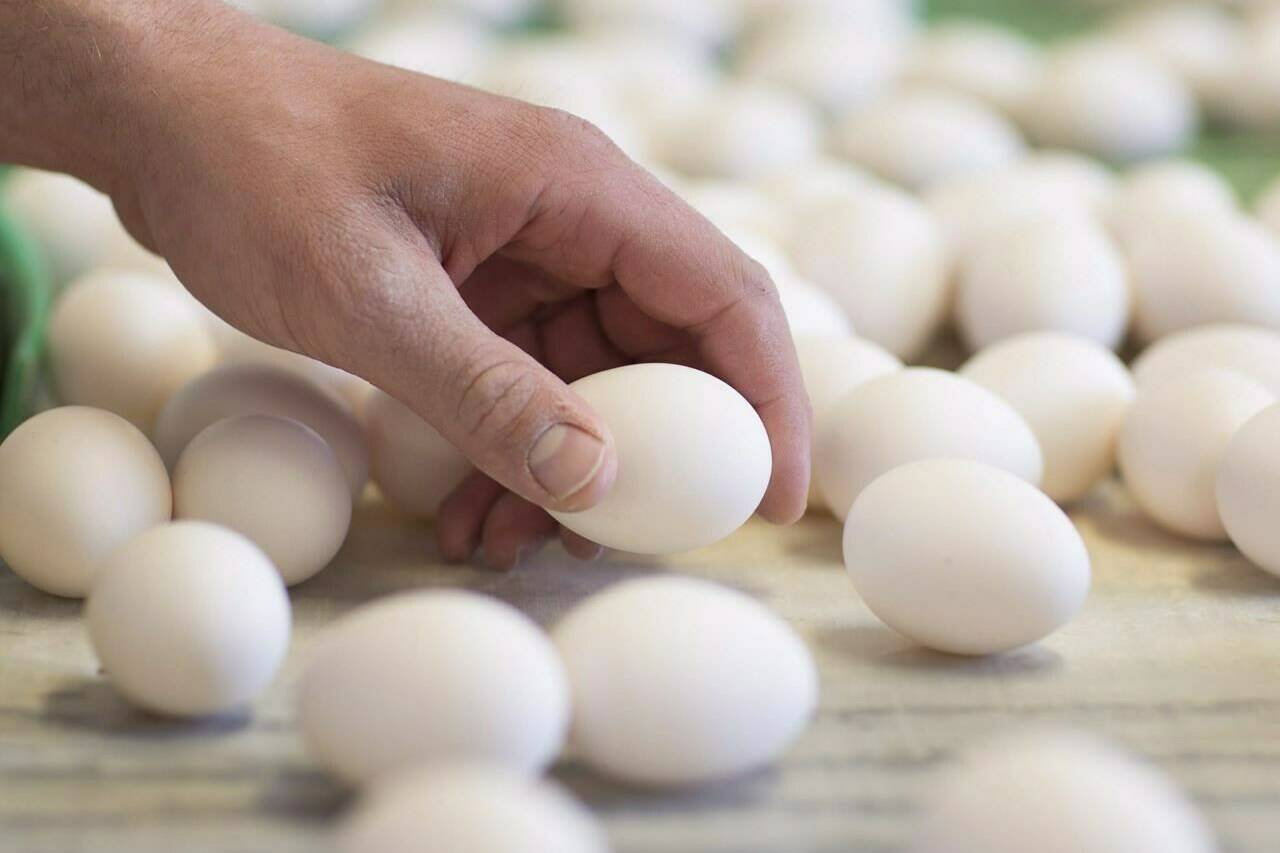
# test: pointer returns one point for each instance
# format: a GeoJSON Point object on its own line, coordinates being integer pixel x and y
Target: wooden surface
{"type": "Point", "coordinates": [1176, 655]}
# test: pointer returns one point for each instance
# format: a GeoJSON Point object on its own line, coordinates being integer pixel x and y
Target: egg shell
{"type": "Point", "coordinates": [814, 182]}
{"type": "Point", "coordinates": [189, 619]}
{"type": "Point", "coordinates": [914, 414]}
{"type": "Point", "coordinates": [70, 221]}
{"type": "Point", "coordinates": [1073, 394]}
{"type": "Point", "coordinates": [489, 12]}
{"type": "Point", "coordinates": [78, 483]}
{"type": "Point", "coordinates": [1155, 191]}
{"type": "Point", "coordinates": [1202, 269]}
{"type": "Point", "coordinates": [237, 348]}
{"type": "Point", "coordinates": [1173, 440]}
{"type": "Point", "coordinates": [390, 687]}
{"type": "Point", "coordinates": [1197, 42]}
{"type": "Point", "coordinates": [990, 63]}
{"type": "Point", "coordinates": [710, 21]}
{"type": "Point", "coordinates": [427, 42]}
{"type": "Point", "coordinates": [1248, 489]}
{"type": "Point", "coordinates": [918, 137]}
{"type": "Point", "coordinates": [275, 481]}
{"type": "Point", "coordinates": [883, 258]}
{"type": "Point", "coordinates": [677, 682]}
{"type": "Point", "coordinates": [255, 389]}
{"type": "Point", "coordinates": [1248, 350]}
{"type": "Point", "coordinates": [413, 466]}
{"type": "Point", "coordinates": [810, 310]}
{"type": "Point", "coordinates": [1267, 208]}
{"type": "Point", "coordinates": [1058, 792]}
{"type": "Point", "coordinates": [694, 459]}
{"type": "Point", "coordinates": [1106, 98]}
{"type": "Point", "coordinates": [734, 206]}
{"type": "Point", "coordinates": [125, 342]}
{"type": "Point", "coordinates": [469, 808]}
{"type": "Point", "coordinates": [1057, 273]}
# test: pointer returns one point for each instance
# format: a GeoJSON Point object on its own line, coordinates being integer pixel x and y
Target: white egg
{"type": "Point", "coordinates": [1072, 392]}
{"type": "Point", "coordinates": [734, 207]}
{"type": "Point", "coordinates": [1248, 95]}
{"type": "Point", "coordinates": [273, 480]}
{"type": "Point", "coordinates": [835, 66]}
{"type": "Point", "coordinates": [78, 483]}
{"type": "Point", "coordinates": [1267, 208]}
{"type": "Point", "coordinates": [708, 21]}
{"type": "Point", "coordinates": [693, 459]}
{"type": "Point", "coordinates": [769, 254]}
{"type": "Point", "coordinates": [469, 808]}
{"type": "Point", "coordinates": [413, 466]}
{"type": "Point", "coordinates": [886, 19]}
{"type": "Point", "coordinates": [1173, 440]}
{"type": "Point", "coordinates": [237, 348]}
{"type": "Point", "coordinates": [70, 221]}
{"type": "Point", "coordinates": [1196, 270]}
{"type": "Point", "coordinates": [1069, 175]}
{"type": "Point", "coordinates": [189, 619]}
{"type": "Point", "coordinates": [917, 137]}
{"type": "Point", "coordinates": [1110, 100]}
{"type": "Point", "coordinates": [814, 182]}
{"type": "Point", "coordinates": [262, 390]}
{"type": "Point", "coordinates": [963, 557]}
{"type": "Point", "coordinates": [1198, 42]}
{"type": "Point", "coordinates": [914, 414]}
{"type": "Point", "coordinates": [125, 342]}
{"type": "Point", "coordinates": [492, 12]}
{"type": "Point", "coordinates": [122, 252]}
{"type": "Point", "coordinates": [441, 45]}
{"type": "Point", "coordinates": [678, 681]}
{"type": "Point", "coordinates": [1155, 191]}
{"type": "Point", "coordinates": [1248, 489]}
{"type": "Point", "coordinates": [1247, 350]}
{"type": "Point", "coordinates": [884, 259]}
{"type": "Point", "coordinates": [1058, 792]}
{"type": "Point", "coordinates": [994, 64]}
{"type": "Point", "coordinates": [810, 310]}
{"type": "Point", "coordinates": [1047, 274]}
{"type": "Point", "coordinates": [743, 130]}
{"type": "Point", "coordinates": [433, 678]}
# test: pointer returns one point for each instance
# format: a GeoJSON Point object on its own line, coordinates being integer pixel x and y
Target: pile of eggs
{"type": "Point", "coordinates": [903, 185]}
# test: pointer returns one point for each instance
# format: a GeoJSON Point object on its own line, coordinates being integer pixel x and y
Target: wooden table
{"type": "Point", "coordinates": [1176, 656]}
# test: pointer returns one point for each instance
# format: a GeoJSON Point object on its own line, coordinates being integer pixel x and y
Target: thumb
{"type": "Point", "coordinates": [414, 337]}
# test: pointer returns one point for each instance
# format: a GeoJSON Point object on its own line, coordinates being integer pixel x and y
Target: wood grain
{"type": "Point", "coordinates": [1176, 656]}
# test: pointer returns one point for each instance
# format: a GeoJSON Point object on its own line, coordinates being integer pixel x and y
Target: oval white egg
{"type": "Point", "coordinates": [693, 459]}
{"type": "Point", "coordinates": [1173, 440]}
{"type": "Point", "coordinates": [189, 619]}
{"type": "Point", "coordinates": [918, 138]}
{"type": "Point", "coordinates": [413, 466]}
{"type": "Point", "coordinates": [1155, 191]}
{"type": "Point", "coordinates": [677, 681]}
{"type": "Point", "coordinates": [1072, 392]}
{"type": "Point", "coordinates": [883, 258]}
{"type": "Point", "coordinates": [1248, 489]}
{"type": "Point", "coordinates": [433, 678]}
{"type": "Point", "coordinates": [252, 389]}
{"type": "Point", "coordinates": [914, 414]}
{"type": "Point", "coordinates": [275, 481]}
{"type": "Point", "coordinates": [1010, 794]}
{"type": "Point", "coordinates": [125, 342]}
{"type": "Point", "coordinates": [78, 483]}
{"type": "Point", "coordinates": [1199, 269]}
{"type": "Point", "coordinates": [71, 222]}
{"type": "Point", "coordinates": [964, 558]}
{"type": "Point", "coordinates": [810, 310]}
{"type": "Point", "coordinates": [1056, 273]}
{"type": "Point", "coordinates": [1251, 351]}
{"type": "Point", "coordinates": [994, 64]}
{"type": "Point", "coordinates": [1198, 42]}
{"type": "Point", "coordinates": [237, 348]}
{"type": "Point", "coordinates": [428, 42]}
{"type": "Point", "coordinates": [478, 808]}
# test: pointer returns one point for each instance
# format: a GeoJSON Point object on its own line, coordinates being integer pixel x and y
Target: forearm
{"type": "Point", "coordinates": [79, 78]}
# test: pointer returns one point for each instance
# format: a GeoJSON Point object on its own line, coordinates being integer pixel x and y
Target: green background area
{"type": "Point", "coordinates": [1247, 160]}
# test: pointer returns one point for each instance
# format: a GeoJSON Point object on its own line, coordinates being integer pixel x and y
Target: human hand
{"type": "Point", "coordinates": [467, 253]}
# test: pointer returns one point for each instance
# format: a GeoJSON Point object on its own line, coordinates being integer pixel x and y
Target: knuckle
{"type": "Point", "coordinates": [498, 399]}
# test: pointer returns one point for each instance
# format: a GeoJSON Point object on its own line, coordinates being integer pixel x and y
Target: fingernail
{"type": "Point", "coordinates": [565, 459]}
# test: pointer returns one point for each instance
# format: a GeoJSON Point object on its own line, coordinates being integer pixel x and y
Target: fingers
{"type": "Point", "coordinates": [513, 531]}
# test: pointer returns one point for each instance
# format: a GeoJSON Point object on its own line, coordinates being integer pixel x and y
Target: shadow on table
{"type": "Point", "coordinates": [92, 705]}
{"type": "Point", "coordinates": [879, 646]}
{"type": "Point", "coordinates": [1236, 577]}
{"type": "Point", "coordinates": [739, 793]}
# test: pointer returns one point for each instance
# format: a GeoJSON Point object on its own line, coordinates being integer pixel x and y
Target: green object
{"type": "Point", "coordinates": [24, 309]}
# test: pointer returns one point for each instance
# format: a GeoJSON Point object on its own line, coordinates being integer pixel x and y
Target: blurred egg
{"type": "Point", "coordinates": [1167, 188]}
{"type": "Point", "coordinates": [914, 414]}
{"type": "Point", "coordinates": [460, 809]}
{"type": "Point", "coordinates": [125, 342]}
{"type": "Point", "coordinates": [1058, 792]}
{"type": "Point", "coordinates": [433, 678]}
{"type": "Point", "coordinates": [882, 257]}
{"type": "Point", "coordinates": [413, 466]}
{"type": "Point", "coordinates": [963, 557]}
{"type": "Point", "coordinates": [993, 64]}
{"type": "Point", "coordinates": [1057, 274]}
{"type": "Point", "coordinates": [189, 619]}
{"type": "Point", "coordinates": [810, 310]}
{"type": "Point", "coordinates": [1248, 489]}
{"type": "Point", "coordinates": [434, 43]}
{"type": "Point", "coordinates": [1072, 392]}
{"type": "Point", "coordinates": [816, 181]}
{"type": "Point", "coordinates": [262, 390]}
{"type": "Point", "coordinates": [677, 681]}
{"type": "Point", "coordinates": [1197, 42]}
{"type": "Point", "coordinates": [273, 480]}
{"type": "Point", "coordinates": [78, 483]}
{"type": "Point", "coordinates": [917, 137]}
{"type": "Point", "coordinates": [707, 21]}
{"type": "Point", "coordinates": [1173, 440]}
{"type": "Point", "coordinates": [70, 221]}
{"type": "Point", "coordinates": [320, 19]}
{"type": "Point", "coordinates": [693, 459]}
{"type": "Point", "coordinates": [1267, 208]}
{"type": "Point", "coordinates": [237, 348]}
{"type": "Point", "coordinates": [1247, 350]}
